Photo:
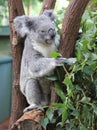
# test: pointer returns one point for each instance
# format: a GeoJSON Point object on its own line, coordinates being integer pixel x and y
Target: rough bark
{"type": "Point", "coordinates": [18, 101]}
{"type": "Point", "coordinates": [48, 4]}
{"type": "Point", "coordinates": [29, 121]}
{"type": "Point", "coordinates": [71, 26]}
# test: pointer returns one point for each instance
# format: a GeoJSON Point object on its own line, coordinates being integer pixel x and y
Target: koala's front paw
{"type": "Point", "coordinates": [71, 61]}
{"type": "Point", "coordinates": [31, 107]}
{"type": "Point", "coordinates": [62, 61]}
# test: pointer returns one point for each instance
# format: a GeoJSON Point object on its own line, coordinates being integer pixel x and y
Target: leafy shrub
{"type": "Point", "coordinates": [78, 109]}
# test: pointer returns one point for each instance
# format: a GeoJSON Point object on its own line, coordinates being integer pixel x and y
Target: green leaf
{"type": "Point", "coordinates": [44, 122]}
{"type": "Point", "coordinates": [55, 54]}
{"type": "Point", "coordinates": [59, 127]}
{"type": "Point", "coordinates": [70, 87]}
{"type": "Point", "coordinates": [85, 100]}
{"type": "Point", "coordinates": [64, 115]}
{"type": "Point", "coordinates": [75, 113]}
{"type": "Point", "coordinates": [79, 55]}
{"type": "Point", "coordinates": [70, 106]}
{"type": "Point", "coordinates": [59, 105]}
{"type": "Point", "coordinates": [60, 110]}
{"type": "Point", "coordinates": [49, 114]}
{"type": "Point", "coordinates": [89, 23]}
{"type": "Point", "coordinates": [59, 91]}
{"type": "Point", "coordinates": [95, 110]}
{"type": "Point", "coordinates": [67, 81]}
{"type": "Point", "coordinates": [88, 70]}
{"type": "Point", "coordinates": [52, 78]}
{"type": "Point", "coordinates": [94, 56]}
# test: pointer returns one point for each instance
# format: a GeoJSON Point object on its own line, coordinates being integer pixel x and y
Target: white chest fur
{"type": "Point", "coordinates": [45, 50]}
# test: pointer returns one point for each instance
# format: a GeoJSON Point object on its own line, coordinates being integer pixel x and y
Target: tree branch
{"type": "Point", "coordinates": [71, 26]}
{"type": "Point", "coordinates": [48, 4]}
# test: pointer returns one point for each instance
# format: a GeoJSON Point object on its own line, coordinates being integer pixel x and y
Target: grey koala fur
{"type": "Point", "coordinates": [36, 61]}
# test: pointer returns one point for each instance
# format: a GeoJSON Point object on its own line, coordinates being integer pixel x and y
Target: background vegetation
{"type": "Point", "coordinates": [3, 12]}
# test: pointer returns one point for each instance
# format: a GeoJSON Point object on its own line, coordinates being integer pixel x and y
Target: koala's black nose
{"type": "Point", "coordinates": [52, 33]}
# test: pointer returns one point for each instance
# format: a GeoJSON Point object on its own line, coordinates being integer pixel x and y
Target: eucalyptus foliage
{"type": "Point", "coordinates": [78, 107]}
{"type": "Point", "coordinates": [3, 12]}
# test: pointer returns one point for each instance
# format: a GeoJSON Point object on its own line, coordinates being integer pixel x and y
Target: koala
{"type": "Point", "coordinates": [37, 63]}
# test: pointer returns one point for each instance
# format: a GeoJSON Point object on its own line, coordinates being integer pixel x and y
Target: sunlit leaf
{"type": "Point", "coordinates": [64, 115]}
{"type": "Point", "coordinates": [55, 54]}
{"type": "Point", "coordinates": [85, 100]}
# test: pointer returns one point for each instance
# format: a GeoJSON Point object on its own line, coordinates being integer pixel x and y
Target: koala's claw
{"type": "Point", "coordinates": [70, 61]}
{"type": "Point", "coordinates": [31, 107]}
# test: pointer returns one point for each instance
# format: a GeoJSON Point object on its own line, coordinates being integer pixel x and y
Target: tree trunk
{"type": "Point", "coordinates": [18, 101]}
{"type": "Point", "coordinates": [71, 26]}
{"type": "Point", "coordinates": [48, 4]}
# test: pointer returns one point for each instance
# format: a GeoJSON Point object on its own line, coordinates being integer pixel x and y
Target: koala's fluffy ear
{"type": "Point", "coordinates": [49, 13]}
{"type": "Point", "coordinates": [22, 24]}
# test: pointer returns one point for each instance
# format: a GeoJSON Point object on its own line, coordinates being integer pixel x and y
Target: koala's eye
{"type": "Point", "coordinates": [42, 31]}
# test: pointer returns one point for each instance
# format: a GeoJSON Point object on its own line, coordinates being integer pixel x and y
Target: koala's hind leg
{"type": "Point", "coordinates": [33, 94]}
